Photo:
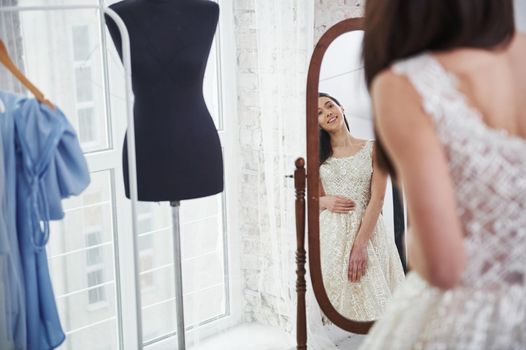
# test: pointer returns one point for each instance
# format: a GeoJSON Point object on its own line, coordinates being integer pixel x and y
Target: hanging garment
{"type": "Point", "coordinates": [6, 341]}
{"type": "Point", "coordinates": [12, 293]}
{"type": "Point", "coordinates": [50, 166]}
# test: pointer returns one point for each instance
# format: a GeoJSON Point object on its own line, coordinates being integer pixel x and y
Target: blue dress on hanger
{"type": "Point", "coordinates": [50, 166]}
{"type": "Point", "coordinates": [12, 306]}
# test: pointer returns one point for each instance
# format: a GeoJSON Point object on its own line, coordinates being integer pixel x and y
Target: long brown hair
{"type": "Point", "coordinates": [325, 151]}
{"type": "Point", "coordinates": [397, 29]}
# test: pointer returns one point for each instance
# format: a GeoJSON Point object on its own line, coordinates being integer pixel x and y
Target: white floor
{"type": "Point", "coordinates": [249, 336]}
{"type": "Point", "coordinates": [258, 337]}
{"type": "Point", "coordinates": [344, 339]}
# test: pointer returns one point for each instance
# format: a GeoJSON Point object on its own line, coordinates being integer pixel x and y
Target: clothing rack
{"type": "Point", "coordinates": [132, 167]}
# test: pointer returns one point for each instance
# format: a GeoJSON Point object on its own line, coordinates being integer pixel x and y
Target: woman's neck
{"type": "Point", "coordinates": [342, 138]}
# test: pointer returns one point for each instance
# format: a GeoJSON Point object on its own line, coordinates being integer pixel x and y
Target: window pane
{"type": "Point", "coordinates": [61, 54]}
{"type": "Point", "coordinates": [82, 267]}
{"type": "Point", "coordinates": [95, 279]}
{"type": "Point", "coordinates": [204, 281]}
{"type": "Point", "coordinates": [146, 242]}
{"type": "Point", "coordinates": [94, 256]}
{"type": "Point", "coordinates": [87, 132]}
{"type": "Point", "coordinates": [145, 219]}
{"type": "Point", "coordinates": [83, 84]}
{"type": "Point", "coordinates": [93, 327]}
{"type": "Point", "coordinates": [81, 46]}
{"type": "Point", "coordinates": [101, 336]}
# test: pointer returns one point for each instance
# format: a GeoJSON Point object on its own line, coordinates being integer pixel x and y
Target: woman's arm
{"type": "Point", "coordinates": [323, 204]}
{"type": "Point", "coordinates": [375, 205]}
{"type": "Point", "coordinates": [335, 204]}
{"type": "Point", "coordinates": [436, 248]}
{"type": "Point", "coordinates": [358, 257]}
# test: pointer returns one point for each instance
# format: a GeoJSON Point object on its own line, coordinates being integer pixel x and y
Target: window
{"type": "Point", "coordinates": [85, 68]}
{"type": "Point", "coordinates": [81, 43]}
{"type": "Point", "coordinates": [95, 267]}
{"type": "Point", "coordinates": [87, 132]}
{"type": "Point", "coordinates": [90, 253]}
{"type": "Point", "coordinates": [96, 295]}
{"type": "Point", "coordinates": [144, 218]}
{"type": "Point", "coordinates": [83, 84]}
{"type": "Point", "coordinates": [145, 221]}
{"type": "Point", "coordinates": [93, 251]}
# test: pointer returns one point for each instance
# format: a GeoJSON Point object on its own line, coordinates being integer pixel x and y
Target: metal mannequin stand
{"type": "Point", "coordinates": [179, 308]}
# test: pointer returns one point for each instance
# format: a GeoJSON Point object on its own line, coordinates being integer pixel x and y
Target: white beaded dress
{"type": "Point", "coordinates": [350, 177]}
{"type": "Point", "coordinates": [487, 310]}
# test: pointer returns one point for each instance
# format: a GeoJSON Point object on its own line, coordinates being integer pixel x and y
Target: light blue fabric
{"type": "Point", "coordinates": [11, 275]}
{"type": "Point", "coordinates": [43, 163]}
{"type": "Point", "coordinates": [6, 337]}
{"type": "Point", "coordinates": [50, 167]}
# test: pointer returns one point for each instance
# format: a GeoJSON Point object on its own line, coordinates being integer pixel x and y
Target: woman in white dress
{"type": "Point", "coordinates": [360, 263]}
{"type": "Point", "coordinates": [448, 81]}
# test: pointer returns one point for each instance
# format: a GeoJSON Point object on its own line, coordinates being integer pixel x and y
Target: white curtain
{"type": "Point", "coordinates": [284, 46]}
{"type": "Point", "coordinates": [284, 37]}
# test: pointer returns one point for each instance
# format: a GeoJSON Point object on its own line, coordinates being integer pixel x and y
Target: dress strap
{"type": "Point", "coordinates": [437, 87]}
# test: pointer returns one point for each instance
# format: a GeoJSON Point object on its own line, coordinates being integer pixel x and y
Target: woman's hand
{"type": "Point", "coordinates": [357, 263]}
{"type": "Point", "coordinates": [337, 204]}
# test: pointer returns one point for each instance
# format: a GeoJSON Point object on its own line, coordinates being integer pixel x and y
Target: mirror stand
{"type": "Point", "coordinates": [301, 255]}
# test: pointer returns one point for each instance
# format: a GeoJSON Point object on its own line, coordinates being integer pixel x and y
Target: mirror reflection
{"type": "Point", "coordinates": [360, 262]}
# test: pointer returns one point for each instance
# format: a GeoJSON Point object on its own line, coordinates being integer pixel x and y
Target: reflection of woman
{"type": "Point", "coordinates": [360, 263]}
{"type": "Point", "coordinates": [448, 81]}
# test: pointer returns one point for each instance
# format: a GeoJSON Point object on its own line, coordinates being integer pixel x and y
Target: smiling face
{"type": "Point", "coordinates": [330, 115]}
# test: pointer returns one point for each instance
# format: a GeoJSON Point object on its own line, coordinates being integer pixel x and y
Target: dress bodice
{"type": "Point", "coordinates": [350, 177]}
{"type": "Point", "coordinates": [487, 167]}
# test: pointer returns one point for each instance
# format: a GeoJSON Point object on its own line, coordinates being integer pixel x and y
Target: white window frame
{"type": "Point", "coordinates": [109, 159]}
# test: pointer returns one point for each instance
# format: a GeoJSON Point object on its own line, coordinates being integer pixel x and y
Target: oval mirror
{"type": "Point", "coordinates": [356, 218]}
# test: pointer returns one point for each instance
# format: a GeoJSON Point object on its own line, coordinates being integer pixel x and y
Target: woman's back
{"type": "Point", "coordinates": [494, 83]}
{"type": "Point", "coordinates": [473, 98]}
{"type": "Point", "coordinates": [486, 154]}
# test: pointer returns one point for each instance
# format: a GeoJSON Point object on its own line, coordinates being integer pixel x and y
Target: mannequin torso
{"type": "Point", "coordinates": [178, 149]}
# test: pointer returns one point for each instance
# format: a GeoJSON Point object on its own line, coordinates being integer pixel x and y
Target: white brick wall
{"type": "Point", "coordinates": [249, 120]}
{"type": "Point", "coordinates": [329, 12]}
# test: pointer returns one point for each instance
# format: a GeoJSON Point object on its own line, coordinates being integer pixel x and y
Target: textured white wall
{"type": "Point", "coordinates": [264, 256]}
{"type": "Point", "coordinates": [329, 12]}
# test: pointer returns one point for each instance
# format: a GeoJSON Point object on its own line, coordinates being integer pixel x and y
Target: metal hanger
{"type": "Point", "coordinates": [8, 63]}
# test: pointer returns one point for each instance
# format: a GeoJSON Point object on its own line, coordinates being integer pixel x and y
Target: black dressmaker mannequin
{"type": "Point", "coordinates": [178, 149]}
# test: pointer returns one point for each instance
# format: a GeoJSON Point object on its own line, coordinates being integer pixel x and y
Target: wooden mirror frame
{"type": "Point", "coordinates": [313, 172]}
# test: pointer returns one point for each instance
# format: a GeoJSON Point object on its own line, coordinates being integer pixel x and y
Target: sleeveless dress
{"type": "Point", "coordinates": [365, 300]}
{"type": "Point", "coordinates": [43, 164]}
{"type": "Point", "coordinates": [487, 310]}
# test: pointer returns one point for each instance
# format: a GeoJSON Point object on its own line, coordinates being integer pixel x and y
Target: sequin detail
{"type": "Point", "coordinates": [351, 177]}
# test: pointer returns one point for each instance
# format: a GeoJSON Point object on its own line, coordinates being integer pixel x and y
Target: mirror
{"type": "Point", "coordinates": [356, 218]}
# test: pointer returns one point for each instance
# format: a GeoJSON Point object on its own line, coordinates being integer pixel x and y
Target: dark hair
{"type": "Point", "coordinates": [396, 29]}
{"type": "Point", "coordinates": [325, 138]}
